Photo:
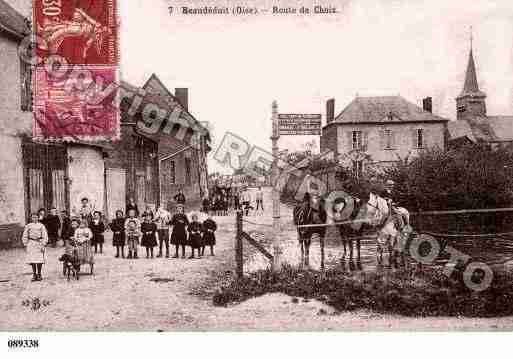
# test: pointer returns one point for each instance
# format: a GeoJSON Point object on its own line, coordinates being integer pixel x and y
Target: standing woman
{"type": "Point", "coordinates": [118, 233]}
{"type": "Point", "coordinates": [35, 238]}
{"type": "Point", "coordinates": [179, 233]}
{"type": "Point", "coordinates": [97, 228]}
{"type": "Point", "coordinates": [132, 205]}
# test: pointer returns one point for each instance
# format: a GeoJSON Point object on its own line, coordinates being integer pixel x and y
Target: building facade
{"type": "Point", "coordinates": [372, 132]}
{"type": "Point", "coordinates": [36, 175]}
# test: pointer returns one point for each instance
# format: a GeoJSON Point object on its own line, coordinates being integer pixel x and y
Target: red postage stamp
{"type": "Point", "coordinates": [81, 31]}
{"type": "Point", "coordinates": [72, 108]}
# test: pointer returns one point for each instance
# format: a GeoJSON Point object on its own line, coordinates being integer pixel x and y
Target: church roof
{"type": "Point", "coordinates": [483, 128]}
{"type": "Point", "coordinates": [11, 21]}
{"type": "Point", "coordinates": [384, 109]}
{"type": "Point", "coordinates": [471, 87]}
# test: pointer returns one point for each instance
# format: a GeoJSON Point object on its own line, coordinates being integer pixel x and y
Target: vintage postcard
{"type": "Point", "coordinates": [171, 165]}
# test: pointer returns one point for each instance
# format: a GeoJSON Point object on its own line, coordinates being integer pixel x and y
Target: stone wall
{"type": "Point", "coordinates": [13, 124]}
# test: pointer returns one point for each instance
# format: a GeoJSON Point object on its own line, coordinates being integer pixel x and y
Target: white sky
{"type": "Point", "coordinates": [235, 66]}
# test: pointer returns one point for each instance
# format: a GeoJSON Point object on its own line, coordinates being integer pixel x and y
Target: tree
{"type": "Point", "coordinates": [475, 176]}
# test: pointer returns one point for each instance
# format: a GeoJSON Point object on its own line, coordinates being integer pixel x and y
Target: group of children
{"type": "Point", "coordinates": [131, 232]}
{"type": "Point", "coordinates": [154, 230]}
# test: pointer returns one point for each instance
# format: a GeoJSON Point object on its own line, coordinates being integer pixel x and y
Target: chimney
{"type": "Point", "coordinates": [427, 104]}
{"type": "Point", "coordinates": [330, 110]}
{"type": "Point", "coordinates": [182, 94]}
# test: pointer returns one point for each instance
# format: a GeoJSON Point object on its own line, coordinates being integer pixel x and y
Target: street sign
{"type": "Point", "coordinates": [299, 124]}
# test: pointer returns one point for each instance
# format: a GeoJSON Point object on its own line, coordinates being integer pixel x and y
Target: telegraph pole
{"type": "Point", "coordinates": [275, 192]}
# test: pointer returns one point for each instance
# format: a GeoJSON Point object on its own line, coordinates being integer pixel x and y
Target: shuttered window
{"type": "Point", "coordinates": [187, 171]}
{"type": "Point", "coordinates": [358, 168]}
{"type": "Point", "coordinates": [387, 139]}
{"type": "Point", "coordinates": [357, 142]}
{"type": "Point", "coordinates": [418, 138]}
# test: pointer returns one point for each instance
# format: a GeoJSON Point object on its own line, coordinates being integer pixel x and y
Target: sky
{"type": "Point", "coordinates": [235, 67]}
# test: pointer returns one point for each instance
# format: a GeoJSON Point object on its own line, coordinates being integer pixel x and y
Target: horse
{"type": "Point", "coordinates": [391, 223]}
{"type": "Point", "coordinates": [305, 214]}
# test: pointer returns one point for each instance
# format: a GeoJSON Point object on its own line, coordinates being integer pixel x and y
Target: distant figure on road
{"type": "Point", "coordinates": [246, 201]}
{"type": "Point", "coordinates": [260, 199]}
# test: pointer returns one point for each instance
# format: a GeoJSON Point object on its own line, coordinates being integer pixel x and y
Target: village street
{"type": "Point", "coordinates": [175, 294]}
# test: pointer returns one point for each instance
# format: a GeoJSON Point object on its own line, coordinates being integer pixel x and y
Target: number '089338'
{"type": "Point", "coordinates": [52, 7]}
{"type": "Point", "coordinates": [22, 343]}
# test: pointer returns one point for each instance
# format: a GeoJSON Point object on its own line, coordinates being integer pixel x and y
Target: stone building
{"type": "Point", "coordinates": [472, 123]}
{"type": "Point", "coordinates": [378, 131]}
{"type": "Point", "coordinates": [35, 175]}
{"type": "Point", "coordinates": [152, 168]}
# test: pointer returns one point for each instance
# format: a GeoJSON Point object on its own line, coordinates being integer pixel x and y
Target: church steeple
{"type": "Point", "coordinates": [471, 85]}
{"type": "Point", "coordinates": [471, 101]}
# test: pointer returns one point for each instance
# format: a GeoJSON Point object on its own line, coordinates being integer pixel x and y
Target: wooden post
{"type": "Point", "coordinates": [238, 245]}
{"type": "Point", "coordinates": [275, 192]}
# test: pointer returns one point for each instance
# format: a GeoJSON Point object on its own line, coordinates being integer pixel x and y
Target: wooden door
{"type": "Point", "coordinates": [116, 191]}
{"type": "Point", "coordinates": [45, 176]}
{"type": "Point", "coordinates": [140, 188]}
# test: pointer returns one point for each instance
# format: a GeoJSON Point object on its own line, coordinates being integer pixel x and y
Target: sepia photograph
{"type": "Point", "coordinates": [256, 166]}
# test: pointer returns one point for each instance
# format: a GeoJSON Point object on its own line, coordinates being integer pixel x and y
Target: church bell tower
{"type": "Point", "coordinates": [471, 101]}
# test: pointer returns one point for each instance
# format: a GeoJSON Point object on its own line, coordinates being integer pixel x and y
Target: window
{"type": "Point", "coordinates": [357, 140]}
{"type": "Point", "coordinates": [389, 140]}
{"type": "Point", "coordinates": [172, 173]}
{"type": "Point", "coordinates": [461, 108]}
{"type": "Point", "coordinates": [420, 138]}
{"type": "Point", "coordinates": [358, 168]}
{"type": "Point", "coordinates": [187, 171]}
{"type": "Point", "coordinates": [25, 86]}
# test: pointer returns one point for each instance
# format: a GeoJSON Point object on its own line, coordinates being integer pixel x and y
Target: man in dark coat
{"type": "Point", "coordinates": [180, 198]}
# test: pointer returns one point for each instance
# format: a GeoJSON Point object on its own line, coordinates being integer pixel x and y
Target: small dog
{"type": "Point", "coordinates": [70, 266]}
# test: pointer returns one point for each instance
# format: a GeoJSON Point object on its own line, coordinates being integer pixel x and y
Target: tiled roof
{"type": "Point", "coordinates": [487, 129]}
{"type": "Point", "coordinates": [460, 129]}
{"type": "Point", "coordinates": [384, 109]}
{"type": "Point", "coordinates": [11, 21]}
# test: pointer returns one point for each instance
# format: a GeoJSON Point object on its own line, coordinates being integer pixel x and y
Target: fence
{"type": "Point", "coordinates": [240, 236]}
{"type": "Point", "coordinates": [484, 234]}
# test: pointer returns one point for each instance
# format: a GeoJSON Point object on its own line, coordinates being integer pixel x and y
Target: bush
{"type": "Point", "coordinates": [407, 292]}
{"type": "Point", "coordinates": [471, 177]}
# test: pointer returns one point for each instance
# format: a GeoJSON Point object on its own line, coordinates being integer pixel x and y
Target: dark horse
{"type": "Point", "coordinates": [306, 214]}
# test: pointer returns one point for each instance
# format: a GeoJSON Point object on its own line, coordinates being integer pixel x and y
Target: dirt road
{"type": "Point", "coordinates": [162, 294]}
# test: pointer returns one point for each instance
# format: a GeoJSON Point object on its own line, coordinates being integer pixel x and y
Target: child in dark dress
{"type": "Point", "coordinates": [97, 227]}
{"type": "Point", "coordinates": [149, 234]}
{"type": "Point", "coordinates": [179, 233]}
{"type": "Point", "coordinates": [209, 237]}
{"type": "Point", "coordinates": [66, 230]}
{"type": "Point", "coordinates": [195, 240]}
{"type": "Point", "coordinates": [53, 225]}
{"type": "Point", "coordinates": [118, 233]}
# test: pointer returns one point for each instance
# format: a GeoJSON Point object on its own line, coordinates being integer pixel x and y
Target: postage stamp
{"type": "Point", "coordinates": [81, 31]}
{"type": "Point", "coordinates": [68, 109]}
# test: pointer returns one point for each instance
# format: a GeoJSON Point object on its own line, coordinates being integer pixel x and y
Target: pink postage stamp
{"type": "Point", "coordinates": [74, 108]}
